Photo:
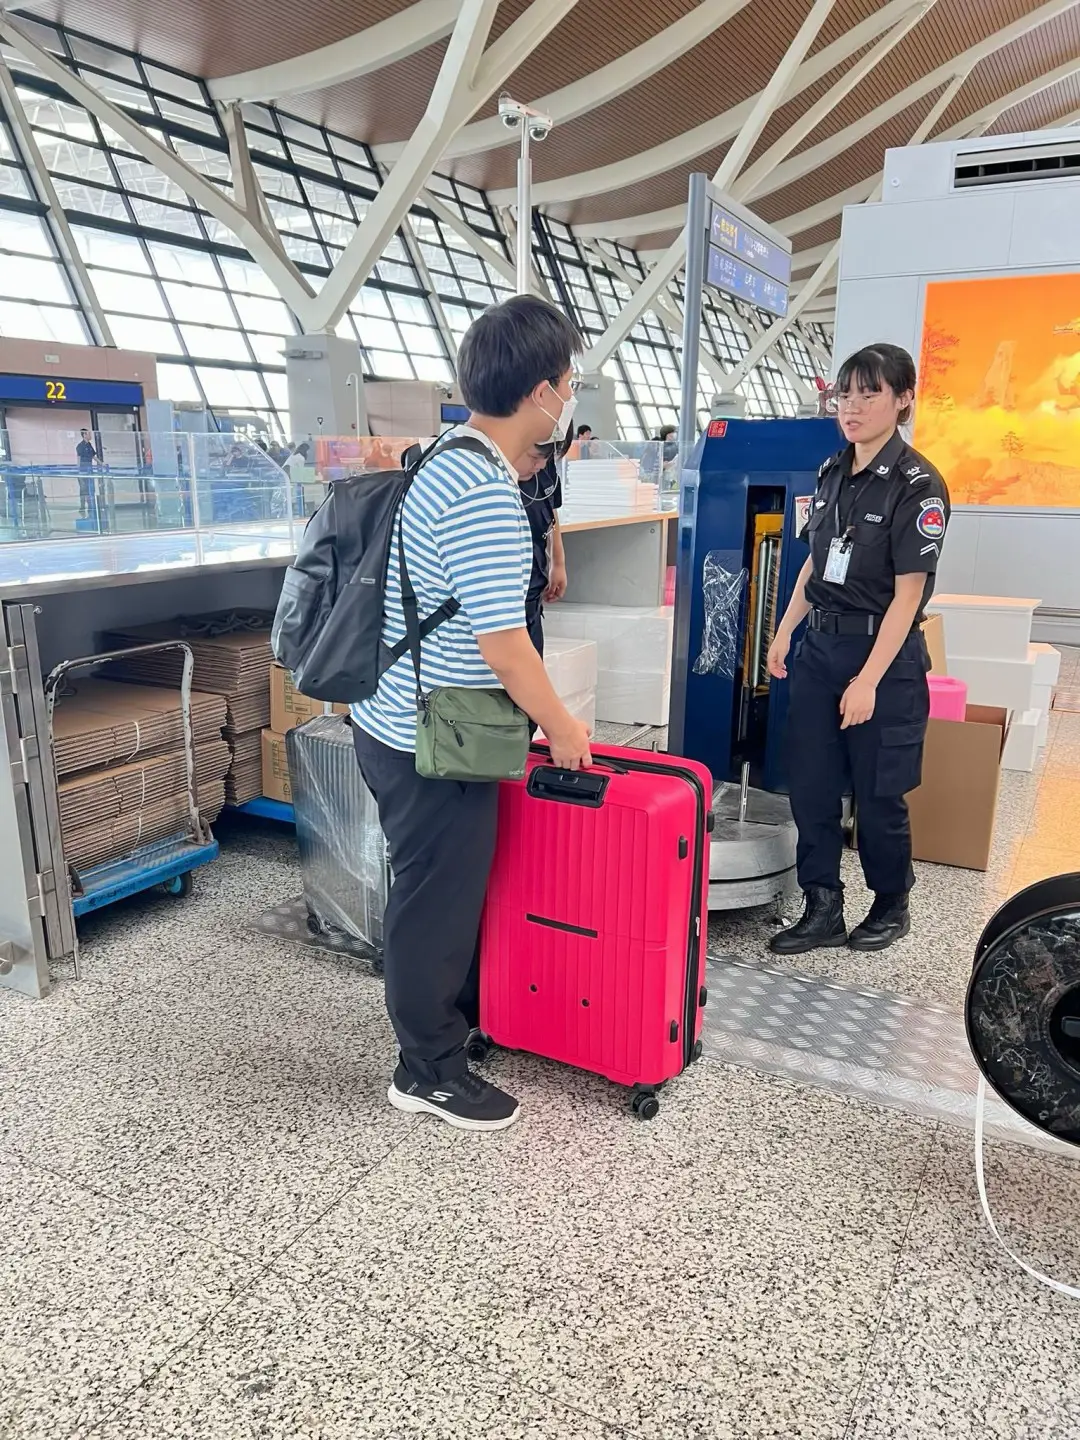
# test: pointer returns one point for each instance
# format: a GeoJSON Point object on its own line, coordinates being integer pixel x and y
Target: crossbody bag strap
{"type": "Point", "coordinates": [415, 631]}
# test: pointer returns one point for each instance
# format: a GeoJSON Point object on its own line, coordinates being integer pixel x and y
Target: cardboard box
{"type": "Point", "coordinates": [275, 768]}
{"type": "Point", "coordinates": [289, 708]}
{"type": "Point", "coordinates": [933, 632]}
{"type": "Point", "coordinates": [954, 809]}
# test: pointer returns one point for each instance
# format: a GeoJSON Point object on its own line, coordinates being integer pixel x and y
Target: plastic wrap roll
{"type": "Point", "coordinates": [1023, 1005]}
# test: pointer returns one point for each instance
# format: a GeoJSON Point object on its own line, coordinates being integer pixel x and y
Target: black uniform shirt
{"type": "Point", "coordinates": [894, 515]}
{"type": "Point", "coordinates": [542, 497]}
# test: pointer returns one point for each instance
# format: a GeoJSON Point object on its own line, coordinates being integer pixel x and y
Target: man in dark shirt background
{"type": "Point", "coordinates": [86, 453]}
{"type": "Point", "coordinates": [541, 495]}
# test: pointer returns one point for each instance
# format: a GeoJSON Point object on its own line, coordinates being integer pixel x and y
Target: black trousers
{"type": "Point", "coordinates": [441, 836]}
{"type": "Point", "coordinates": [534, 623]}
{"type": "Point", "coordinates": [879, 762]}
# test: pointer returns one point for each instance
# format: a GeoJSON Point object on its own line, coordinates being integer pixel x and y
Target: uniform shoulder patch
{"type": "Point", "coordinates": [931, 518]}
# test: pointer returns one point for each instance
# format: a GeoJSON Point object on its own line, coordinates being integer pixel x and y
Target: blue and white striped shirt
{"type": "Point", "coordinates": [467, 536]}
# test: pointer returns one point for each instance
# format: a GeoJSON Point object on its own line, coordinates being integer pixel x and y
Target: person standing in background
{"type": "Point", "coordinates": [87, 455]}
{"type": "Point", "coordinates": [541, 495]}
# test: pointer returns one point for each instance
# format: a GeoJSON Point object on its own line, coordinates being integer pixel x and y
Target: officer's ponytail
{"type": "Point", "coordinates": [879, 367]}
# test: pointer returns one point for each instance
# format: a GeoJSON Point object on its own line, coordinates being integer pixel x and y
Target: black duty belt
{"type": "Point", "coordinates": [829, 622]}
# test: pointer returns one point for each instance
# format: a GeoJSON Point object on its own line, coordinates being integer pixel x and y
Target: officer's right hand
{"type": "Point", "coordinates": [778, 652]}
{"type": "Point", "coordinates": [570, 745]}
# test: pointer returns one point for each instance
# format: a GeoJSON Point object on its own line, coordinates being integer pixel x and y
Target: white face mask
{"type": "Point", "coordinates": [561, 422]}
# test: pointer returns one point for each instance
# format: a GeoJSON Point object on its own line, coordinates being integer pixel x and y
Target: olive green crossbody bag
{"type": "Point", "coordinates": [461, 734]}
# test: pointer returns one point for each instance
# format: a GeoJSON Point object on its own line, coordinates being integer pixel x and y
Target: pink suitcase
{"type": "Point", "coordinates": [592, 947]}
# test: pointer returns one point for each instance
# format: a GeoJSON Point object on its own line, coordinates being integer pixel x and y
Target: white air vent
{"type": "Point", "coordinates": [1014, 165]}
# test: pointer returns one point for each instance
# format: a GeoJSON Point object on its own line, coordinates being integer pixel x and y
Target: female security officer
{"type": "Point", "coordinates": [859, 698]}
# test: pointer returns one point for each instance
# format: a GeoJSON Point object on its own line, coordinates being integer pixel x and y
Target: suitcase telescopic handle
{"type": "Point", "coordinates": [570, 787]}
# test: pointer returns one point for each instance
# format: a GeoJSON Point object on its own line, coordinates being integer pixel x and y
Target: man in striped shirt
{"type": "Point", "coordinates": [465, 536]}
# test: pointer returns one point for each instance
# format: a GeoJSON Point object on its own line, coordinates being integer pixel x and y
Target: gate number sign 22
{"type": "Point", "coordinates": [55, 390]}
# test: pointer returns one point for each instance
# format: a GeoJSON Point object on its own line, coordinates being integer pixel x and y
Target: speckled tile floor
{"type": "Point", "coordinates": [212, 1226]}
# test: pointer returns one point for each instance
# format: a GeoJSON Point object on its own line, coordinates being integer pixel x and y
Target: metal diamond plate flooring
{"type": "Point", "coordinates": [871, 1045]}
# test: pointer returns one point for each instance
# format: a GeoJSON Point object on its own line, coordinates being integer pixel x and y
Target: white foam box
{"type": "Point", "coordinates": [1047, 665]}
{"type": "Point", "coordinates": [571, 664]}
{"type": "Point", "coordinates": [1004, 684]}
{"type": "Point", "coordinates": [582, 707]}
{"type": "Point", "coordinates": [985, 627]}
{"type": "Point", "coordinates": [632, 638]}
{"type": "Point", "coordinates": [628, 697]}
{"type": "Point", "coordinates": [1022, 742]}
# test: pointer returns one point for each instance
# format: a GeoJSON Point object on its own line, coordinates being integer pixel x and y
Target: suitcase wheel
{"type": "Point", "coordinates": [698, 1051]}
{"type": "Point", "coordinates": [645, 1104]}
{"type": "Point", "coordinates": [477, 1047]}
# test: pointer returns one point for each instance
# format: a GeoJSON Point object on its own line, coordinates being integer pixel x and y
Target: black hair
{"type": "Point", "coordinates": [666, 432]}
{"type": "Point", "coordinates": [584, 430]}
{"type": "Point", "coordinates": [511, 349]}
{"type": "Point", "coordinates": [557, 450]}
{"type": "Point", "coordinates": [879, 367]}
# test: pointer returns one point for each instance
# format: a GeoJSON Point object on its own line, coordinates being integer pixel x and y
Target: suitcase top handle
{"type": "Point", "coordinates": [571, 787]}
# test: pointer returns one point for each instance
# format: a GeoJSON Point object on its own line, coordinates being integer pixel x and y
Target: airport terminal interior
{"type": "Point", "coordinates": [241, 246]}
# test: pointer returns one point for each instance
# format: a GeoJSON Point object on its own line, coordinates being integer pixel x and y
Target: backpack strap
{"type": "Point", "coordinates": [417, 630]}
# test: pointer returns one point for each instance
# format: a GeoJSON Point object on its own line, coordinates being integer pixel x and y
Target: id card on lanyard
{"type": "Point", "coordinates": [840, 547]}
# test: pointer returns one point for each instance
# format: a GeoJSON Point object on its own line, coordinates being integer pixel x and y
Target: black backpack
{"type": "Point", "coordinates": [329, 622]}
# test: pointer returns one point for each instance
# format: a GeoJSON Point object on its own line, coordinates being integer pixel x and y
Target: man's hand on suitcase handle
{"type": "Point", "coordinates": [570, 745]}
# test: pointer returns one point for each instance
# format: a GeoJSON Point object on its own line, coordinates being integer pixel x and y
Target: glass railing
{"type": "Point", "coordinates": [59, 485]}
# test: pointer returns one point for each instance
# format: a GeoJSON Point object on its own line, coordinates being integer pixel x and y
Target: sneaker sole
{"type": "Point", "coordinates": [413, 1105]}
{"type": "Point", "coordinates": [838, 944]}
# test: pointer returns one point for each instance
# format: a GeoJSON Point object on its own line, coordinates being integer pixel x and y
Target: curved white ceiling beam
{"type": "Point", "coordinates": [652, 224]}
{"type": "Point", "coordinates": [667, 267]}
{"type": "Point", "coordinates": [598, 88]}
{"type": "Point", "coordinates": [398, 37]}
{"type": "Point", "coordinates": [812, 159]}
{"type": "Point", "coordinates": [755, 175]}
{"type": "Point", "coordinates": [989, 115]}
{"type": "Point", "coordinates": [682, 149]}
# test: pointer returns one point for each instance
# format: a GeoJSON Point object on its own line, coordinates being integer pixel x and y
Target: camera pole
{"type": "Point", "coordinates": [524, 215]}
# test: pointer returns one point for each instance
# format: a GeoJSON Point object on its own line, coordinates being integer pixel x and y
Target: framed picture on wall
{"type": "Point", "coordinates": [999, 389]}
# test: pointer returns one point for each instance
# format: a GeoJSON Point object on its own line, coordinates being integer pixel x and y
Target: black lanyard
{"type": "Point", "coordinates": [843, 531]}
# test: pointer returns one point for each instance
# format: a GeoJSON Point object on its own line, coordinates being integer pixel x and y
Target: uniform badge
{"type": "Point", "coordinates": [931, 521]}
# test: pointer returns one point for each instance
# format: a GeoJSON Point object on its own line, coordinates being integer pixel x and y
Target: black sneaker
{"type": "Point", "coordinates": [466, 1102]}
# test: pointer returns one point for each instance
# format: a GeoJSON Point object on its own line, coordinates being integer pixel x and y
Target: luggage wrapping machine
{"type": "Point", "coordinates": [743, 493]}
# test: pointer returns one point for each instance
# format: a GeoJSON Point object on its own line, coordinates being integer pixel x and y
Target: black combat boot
{"type": "Point", "coordinates": [889, 920]}
{"type": "Point", "coordinates": [820, 927]}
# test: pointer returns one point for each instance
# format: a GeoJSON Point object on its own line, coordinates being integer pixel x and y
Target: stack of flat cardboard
{"type": "Point", "coordinates": [121, 768]}
{"type": "Point", "coordinates": [232, 658]}
{"type": "Point", "coordinates": [288, 708]}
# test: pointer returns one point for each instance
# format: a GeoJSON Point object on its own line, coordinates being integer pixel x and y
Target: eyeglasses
{"type": "Point", "coordinates": [860, 400]}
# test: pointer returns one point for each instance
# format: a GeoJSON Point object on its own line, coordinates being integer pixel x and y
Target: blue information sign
{"type": "Point", "coordinates": [738, 238]}
{"type": "Point", "coordinates": [729, 274]}
{"type": "Point", "coordinates": [54, 390]}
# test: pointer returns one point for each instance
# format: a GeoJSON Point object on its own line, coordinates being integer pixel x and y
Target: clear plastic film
{"type": "Point", "coordinates": [343, 856]}
{"type": "Point", "coordinates": [723, 590]}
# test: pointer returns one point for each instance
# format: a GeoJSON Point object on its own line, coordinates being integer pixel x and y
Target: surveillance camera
{"type": "Point", "coordinates": [539, 129]}
{"type": "Point", "coordinates": [510, 118]}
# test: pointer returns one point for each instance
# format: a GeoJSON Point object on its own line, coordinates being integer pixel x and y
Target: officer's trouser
{"type": "Point", "coordinates": [880, 762]}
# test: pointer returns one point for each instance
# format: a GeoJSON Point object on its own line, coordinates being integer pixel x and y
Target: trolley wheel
{"type": "Point", "coordinates": [179, 885]}
{"type": "Point", "coordinates": [698, 1051]}
{"type": "Point", "coordinates": [645, 1105]}
{"type": "Point", "coordinates": [477, 1047]}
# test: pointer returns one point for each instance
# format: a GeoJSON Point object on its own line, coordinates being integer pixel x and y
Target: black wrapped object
{"type": "Point", "coordinates": [1023, 1005]}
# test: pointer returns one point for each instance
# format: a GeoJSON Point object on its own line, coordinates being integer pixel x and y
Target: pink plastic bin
{"type": "Point", "coordinates": [948, 698]}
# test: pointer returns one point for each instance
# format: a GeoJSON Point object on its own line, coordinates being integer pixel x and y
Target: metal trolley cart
{"type": "Point", "coordinates": [59, 894]}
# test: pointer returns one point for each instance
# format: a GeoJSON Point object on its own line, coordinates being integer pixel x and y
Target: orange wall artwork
{"type": "Point", "coordinates": [999, 389]}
